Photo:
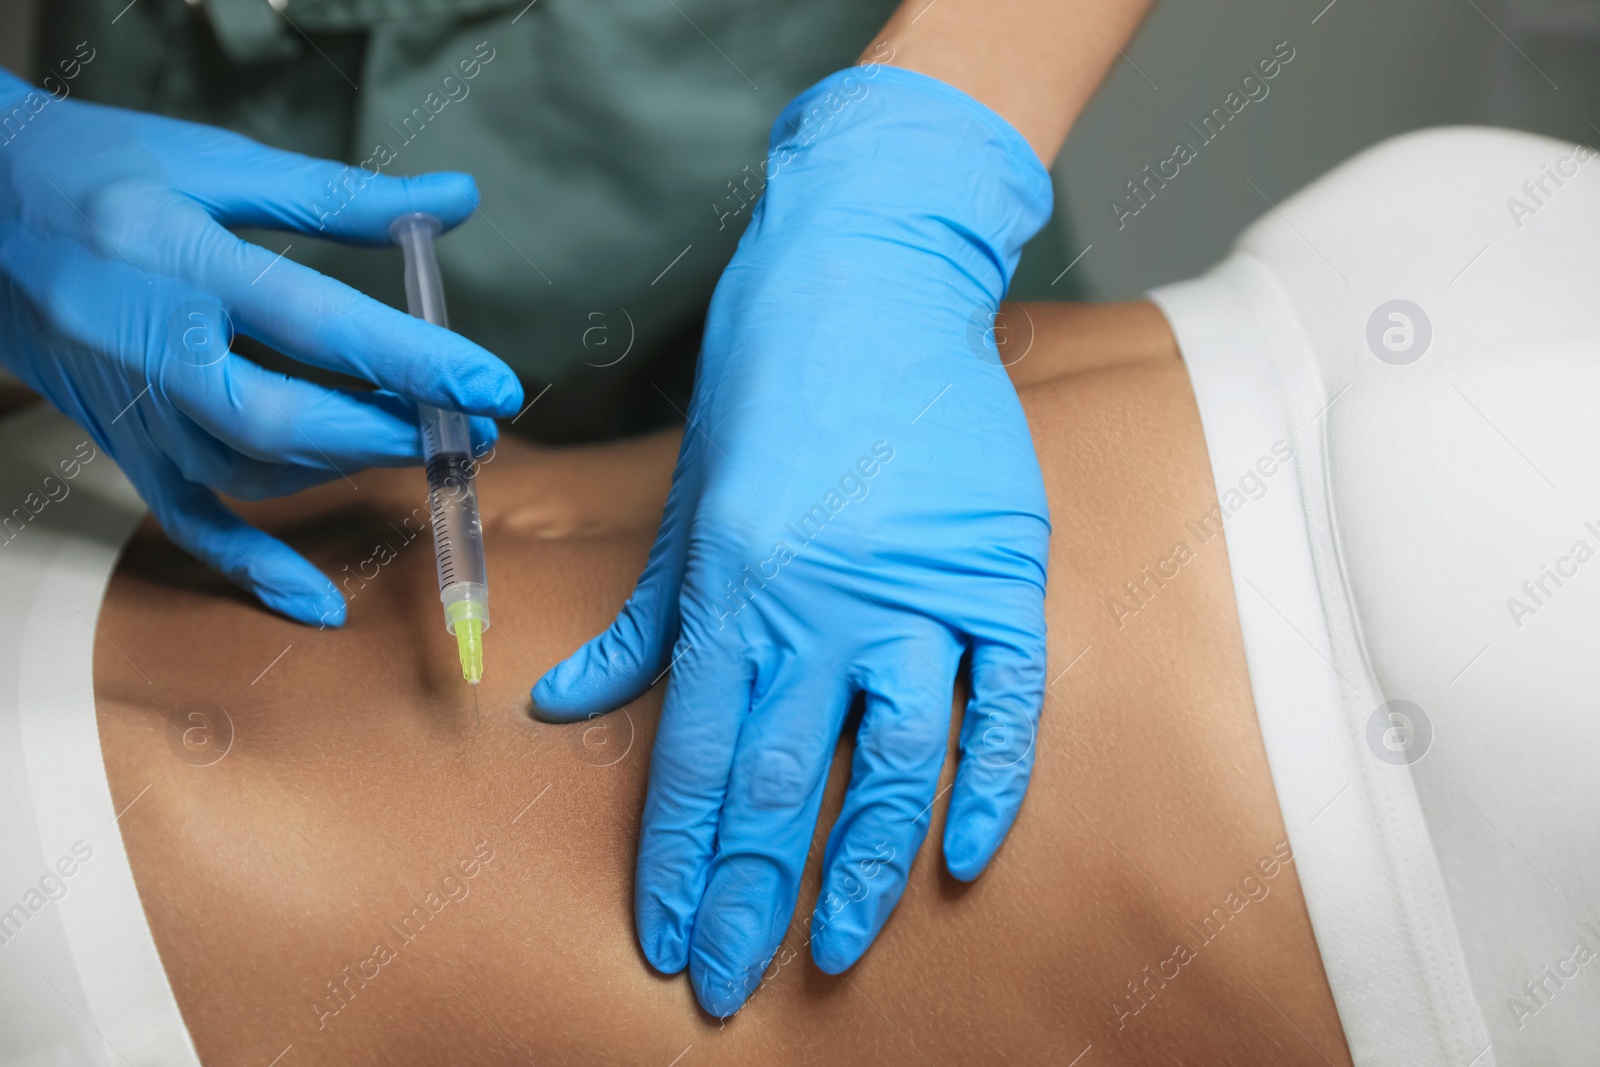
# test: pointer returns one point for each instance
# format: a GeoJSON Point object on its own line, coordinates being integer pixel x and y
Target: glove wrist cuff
{"type": "Point", "coordinates": [936, 163]}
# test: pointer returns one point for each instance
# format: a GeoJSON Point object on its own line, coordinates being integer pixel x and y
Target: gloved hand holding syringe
{"type": "Point", "coordinates": [447, 448]}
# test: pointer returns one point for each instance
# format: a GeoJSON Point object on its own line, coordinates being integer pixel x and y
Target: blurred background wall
{"type": "Point", "coordinates": [1363, 70]}
{"type": "Point", "coordinates": [16, 36]}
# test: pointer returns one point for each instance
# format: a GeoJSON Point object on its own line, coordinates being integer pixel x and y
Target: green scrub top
{"type": "Point", "coordinates": [617, 147]}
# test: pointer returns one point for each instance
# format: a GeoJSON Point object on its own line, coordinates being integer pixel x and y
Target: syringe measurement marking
{"type": "Point", "coordinates": [443, 477]}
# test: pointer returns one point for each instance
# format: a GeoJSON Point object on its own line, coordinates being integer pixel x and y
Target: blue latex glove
{"type": "Point", "coordinates": [120, 291]}
{"type": "Point", "coordinates": [856, 505]}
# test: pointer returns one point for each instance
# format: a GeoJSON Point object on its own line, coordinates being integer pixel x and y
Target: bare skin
{"type": "Point", "coordinates": [358, 778]}
{"type": "Point", "coordinates": [1034, 62]}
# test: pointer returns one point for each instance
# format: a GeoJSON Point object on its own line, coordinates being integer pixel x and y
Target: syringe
{"type": "Point", "coordinates": [447, 447]}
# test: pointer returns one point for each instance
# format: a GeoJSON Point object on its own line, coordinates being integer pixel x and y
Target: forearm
{"type": "Point", "coordinates": [1035, 62]}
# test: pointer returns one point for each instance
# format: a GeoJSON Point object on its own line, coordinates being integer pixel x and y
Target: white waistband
{"type": "Point", "coordinates": [79, 974]}
{"type": "Point", "coordinates": [1362, 849]}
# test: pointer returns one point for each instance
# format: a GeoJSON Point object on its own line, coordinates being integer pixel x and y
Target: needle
{"type": "Point", "coordinates": [476, 714]}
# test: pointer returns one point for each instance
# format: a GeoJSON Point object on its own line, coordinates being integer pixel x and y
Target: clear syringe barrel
{"type": "Point", "coordinates": [453, 502]}
{"type": "Point", "coordinates": [447, 449]}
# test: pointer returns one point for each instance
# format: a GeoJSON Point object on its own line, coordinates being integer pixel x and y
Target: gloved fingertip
{"type": "Point", "coordinates": [718, 993]}
{"type": "Point", "coordinates": [485, 388]}
{"type": "Point", "coordinates": [666, 948]}
{"type": "Point", "coordinates": [326, 611]}
{"type": "Point", "coordinates": [968, 846]}
{"type": "Point", "coordinates": [322, 615]}
{"type": "Point", "coordinates": [738, 927]}
{"type": "Point", "coordinates": [485, 432]}
{"type": "Point", "coordinates": [570, 691]}
{"type": "Point", "coordinates": [835, 953]}
{"type": "Point", "coordinates": [599, 677]}
{"type": "Point", "coordinates": [550, 700]}
{"type": "Point", "coordinates": [508, 398]}
{"type": "Point", "coordinates": [287, 583]}
{"type": "Point", "coordinates": [667, 890]}
{"type": "Point", "coordinates": [459, 186]}
{"type": "Point", "coordinates": [451, 196]}
{"type": "Point", "coordinates": [717, 989]}
{"type": "Point", "coordinates": [843, 928]}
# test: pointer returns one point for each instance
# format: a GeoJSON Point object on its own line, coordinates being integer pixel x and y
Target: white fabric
{"type": "Point", "coordinates": [80, 980]}
{"type": "Point", "coordinates": [1380, 564]}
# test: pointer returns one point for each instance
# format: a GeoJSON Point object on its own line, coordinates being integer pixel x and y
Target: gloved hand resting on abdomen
{"type": "Point", "coordinates": [856, 505]}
